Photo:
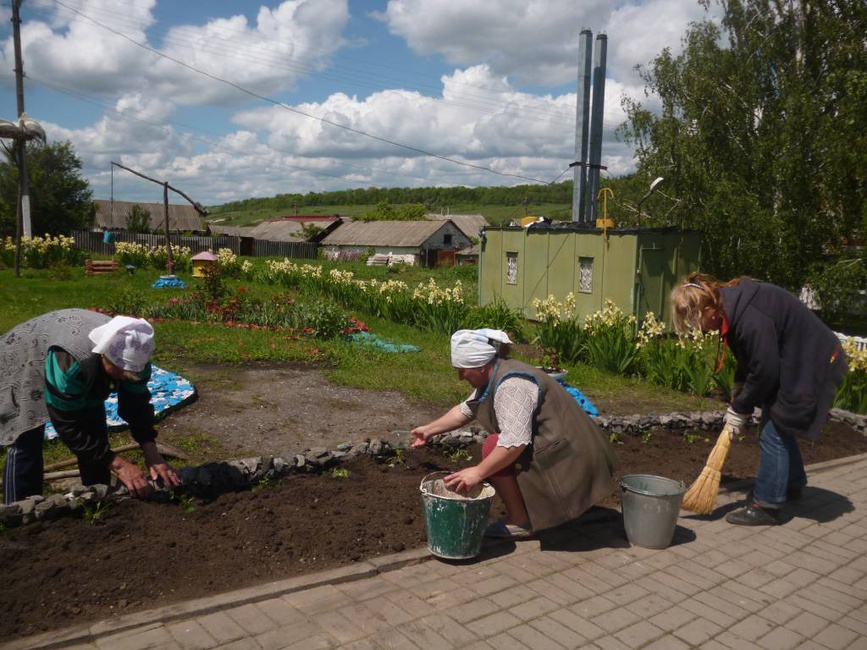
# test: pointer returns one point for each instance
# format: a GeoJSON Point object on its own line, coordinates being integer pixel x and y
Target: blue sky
{"type": "Point", "coordinates": [228, 99]}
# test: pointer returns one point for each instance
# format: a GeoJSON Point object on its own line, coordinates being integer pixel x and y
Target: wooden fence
{"type": "Point", "coordinates": [93, 242]}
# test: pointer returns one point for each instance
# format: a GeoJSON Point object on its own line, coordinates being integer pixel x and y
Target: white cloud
{"type": "Point", "coordinates": [487, 112]}
{"type": "Point", "coordinates": [528, 40]}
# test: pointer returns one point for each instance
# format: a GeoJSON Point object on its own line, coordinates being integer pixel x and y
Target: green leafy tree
{"type": "Point", "coordinates": [138, 219]}
{"type": "Point", "coordinates": [60, 199]}
{"type": "Point", "coordinates": [758, 136]}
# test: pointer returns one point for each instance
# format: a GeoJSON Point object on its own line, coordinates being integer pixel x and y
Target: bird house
{"type": "Point", "coordinates": [202, 262]}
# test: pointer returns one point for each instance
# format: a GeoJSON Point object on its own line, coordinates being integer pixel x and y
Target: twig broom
{"type": "Point", "coordinates": [701, 495]}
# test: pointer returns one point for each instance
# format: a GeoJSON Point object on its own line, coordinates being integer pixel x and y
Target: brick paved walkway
{"type": "Point", "coordinates": [801, 585]}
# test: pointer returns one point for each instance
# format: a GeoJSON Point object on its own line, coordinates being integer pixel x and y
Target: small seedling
{"type": "Point", "coordinates": [646, 436]}
{"type": "Point", "coordinates": [93, 513]}
{"type": "Point", "coordinates": [615, 438]}
{"type": "Point", "coordinates": [185, 501]}
{"type": "Point", "coordinates": [339, 472]}
{"type": "Point", "coordinates": [398, 459]}
{"type": "Point", "coordinates": [459, 454]}
{"type": "Point", "coordinates": [264, 482]}
{"type": "Point", "coordinates": [690, 438]}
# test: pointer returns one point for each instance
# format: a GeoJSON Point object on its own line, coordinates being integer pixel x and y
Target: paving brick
{"type": "Point", "coordinates": [626, 594]}
{"type": "Point", "coordinates": [286, 637]}
{"type": "Point", "coordinates": [544, 587]}
{"type": "Point", "coordinates": [578, 623]}
{"type": "Point", "coordinates": [364, 618]}
{"type": "Point", "coordinates": [697, 631]}
{"type": "Point", "coordinates": [510, 597]}
{"type": "Point", "coordinates": [752, 628]}
{"type": "Point", "coordinates": [835, 637]}
{"type": "Point", "coordinates": [669, 642]}
{"type": "Point", "coordinates": [457, 635]}
{"type": "Point", "coordinates": [672, 619]}
{"type": "Point", "coordinates": [780, 588]}
{"type": "Point", "coordinates": [779, 612]}
{"type": "Point", "coordinates": [391, 613]}
{"type": "Point", "coordinates": [654, 586]}
{"type": "Point", "coordinates": [781, 639]}
{"type": "Point", "coordinates": [639, 634]}
{"type": "Point", "coordinates": [424, 636]}
{"type": "Point", "coordinates": [534, 638]}
{"type": "Point", "coordinates": [505, 641]}
{"type": "Point", "coordinates": [593, 606]}
{"type": "Point", "coordinates": [190, 635]}
{"type": "Point", "coordinates": [251, 619]}
{"type": "Point", "coordinates": [534, 608]}
{"type": "Point", "coordinates": [553, 629]}
{"type": "Point", "coordinates": [338, 626]}
{"type": "Point", "coordinates": [473, 611]}
{"type": "Point", "coordinates": [240, 644]}
{"type": "Point", "coordinates": [649, 605]}
{"type": "Point", "coordinates": [221, 627]}
{"type": "Point", "coordinates": [411, 603]}
{"type": "Point", "coordinates": [701, 610]}
{"type": "Point", "coordinates": [493, 624]}
{"type": "Point", "coordinates": [157, 637]}
{"type": "Point", "coordinates": [319, 599]}
{"type": "Point", "coordinates": [615, 620]}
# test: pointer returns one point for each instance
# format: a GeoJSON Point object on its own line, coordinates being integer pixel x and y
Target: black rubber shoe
{"type": "Point", "coordinates": [755, 515]}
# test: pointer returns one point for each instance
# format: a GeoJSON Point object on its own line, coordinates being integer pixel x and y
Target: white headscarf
{"type": "Point", "coordinates": [127, 342]}
{"type": "Point", "coordinates": [475, 348]}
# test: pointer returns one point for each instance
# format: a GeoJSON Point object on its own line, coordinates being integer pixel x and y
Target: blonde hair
{"type": "Point", "coordinates": [697, 294]}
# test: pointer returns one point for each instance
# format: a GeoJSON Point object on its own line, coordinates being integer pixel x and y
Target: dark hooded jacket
{"type": "Point", "coordinates": [785, 354]}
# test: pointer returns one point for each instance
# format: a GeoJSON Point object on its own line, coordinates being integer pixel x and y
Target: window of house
{"type": "Point", "coordinates": [511, 268]}
{"type": "Point", "coordinates": [585, 274]}
{"type": "Point", "coordinates": [447, 239]}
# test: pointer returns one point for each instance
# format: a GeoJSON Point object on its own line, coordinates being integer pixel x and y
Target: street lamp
{"type": "Point", "coordinates": [653, 187]}
{"type": "Point", "coordinates": [21, 131]}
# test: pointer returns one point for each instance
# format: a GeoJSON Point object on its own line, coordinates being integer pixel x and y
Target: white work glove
{"type": "Point", "coordinates": [736, 422]}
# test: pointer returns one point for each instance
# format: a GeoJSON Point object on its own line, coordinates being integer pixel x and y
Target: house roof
{"type": "Point", "coordinates": [383, 233]}
{"type": "Point", "coordinates": [470, 224]}
{"type": "Point", "coordinates": [282, 229]}
{"type": "Point", "coordinates": [114, 215]}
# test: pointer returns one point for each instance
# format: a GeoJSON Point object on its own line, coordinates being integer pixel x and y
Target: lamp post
{"type": "Point", "coordinates": [653, 186]}
{"type": "Point", "coordinates": [20, 132]}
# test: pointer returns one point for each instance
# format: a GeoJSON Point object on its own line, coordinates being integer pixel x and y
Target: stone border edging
{"type": "Point", "coordinates": [216, 477]}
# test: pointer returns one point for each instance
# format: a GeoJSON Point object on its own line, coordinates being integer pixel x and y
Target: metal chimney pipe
{"type": "Point", "coordinates": [582, 123]}
{"type": "Point", "coordinates": [597, 112]}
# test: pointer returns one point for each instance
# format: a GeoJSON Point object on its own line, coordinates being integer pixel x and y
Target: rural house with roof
{"type": "Point", "coordinates": [114, 216]}
{"type": "Point", "coordinates": [428, 243]}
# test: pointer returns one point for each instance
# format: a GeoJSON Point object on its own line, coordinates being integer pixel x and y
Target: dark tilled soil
{"type": "Point", "coordinates": [140, 555]}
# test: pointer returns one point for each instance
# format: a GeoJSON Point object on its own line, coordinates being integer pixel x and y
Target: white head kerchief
{"type": "Point", "coordinates": [475, 348]}
{"type": "Point", "coordinates": [127, 342]}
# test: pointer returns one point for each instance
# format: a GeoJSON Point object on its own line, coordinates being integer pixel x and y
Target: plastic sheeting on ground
{"type": "Point", "coordinates": [169, 391]}
{"type": "Point", "coordinates": [170, 281]}
{"type": "Point", "coordinates": [366, 338]}
{"type": "Point", "coordinates": [582, 400]}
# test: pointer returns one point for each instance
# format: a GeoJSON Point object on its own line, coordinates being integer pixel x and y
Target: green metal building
{"type": "Point", "coordinates": [635, 268]}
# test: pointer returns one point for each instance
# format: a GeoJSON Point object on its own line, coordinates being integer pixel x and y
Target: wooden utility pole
{"type": "Point", "coordinates": [22, 209]}
{"type": "Point", "coordinates": [166, 187]}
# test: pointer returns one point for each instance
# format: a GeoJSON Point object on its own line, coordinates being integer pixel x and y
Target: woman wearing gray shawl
{"type": "Point", "coordinates": [60, 367]}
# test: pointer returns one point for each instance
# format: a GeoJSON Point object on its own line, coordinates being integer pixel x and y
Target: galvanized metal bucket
{"type": "Point", "coordinates": [651, 506]}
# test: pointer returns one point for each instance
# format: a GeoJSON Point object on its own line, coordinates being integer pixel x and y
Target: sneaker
{"type": "Point", "coordinates": [755, 515]}
{"type": "Point", "coordinates": [501, 530]}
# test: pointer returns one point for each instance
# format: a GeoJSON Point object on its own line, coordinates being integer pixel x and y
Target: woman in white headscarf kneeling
{"type": "Point", "coordinates": [60, 367]}
{"type": "Point", "coordinates": [548, 461]}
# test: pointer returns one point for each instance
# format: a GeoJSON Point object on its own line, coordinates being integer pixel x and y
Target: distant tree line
{"type": "Point", "coordinates": [431, 198]}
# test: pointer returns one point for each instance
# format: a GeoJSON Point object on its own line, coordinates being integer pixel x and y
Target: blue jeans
{"type": "Point", "coordinates": [780, 466]}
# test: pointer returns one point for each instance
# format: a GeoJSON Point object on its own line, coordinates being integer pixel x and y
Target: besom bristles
{"type": "Point", "coordinates": [701, 495]}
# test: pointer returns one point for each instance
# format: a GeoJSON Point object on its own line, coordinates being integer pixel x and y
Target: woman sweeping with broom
{"type": "Point", "coordinates": [789, 364]}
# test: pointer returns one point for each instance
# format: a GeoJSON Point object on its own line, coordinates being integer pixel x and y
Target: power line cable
{"type": "Point", "coordinates": [298, 111]}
